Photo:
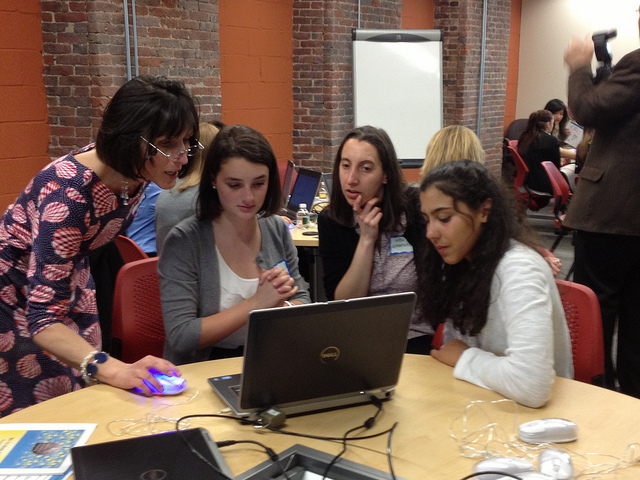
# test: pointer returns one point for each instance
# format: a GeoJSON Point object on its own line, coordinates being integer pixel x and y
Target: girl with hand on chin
{"type": "Point", "coordinates": [372, 229]}
{"type": "Point", "coordinates": [234, 256]}
{"type": "Point", "coordinates": [49, 332]}
{"type": "Point", "coordinates": [505, 326]}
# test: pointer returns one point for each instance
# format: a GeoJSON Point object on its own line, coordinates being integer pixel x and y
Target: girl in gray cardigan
{"type": "Point", "coordinates": [233, 257]}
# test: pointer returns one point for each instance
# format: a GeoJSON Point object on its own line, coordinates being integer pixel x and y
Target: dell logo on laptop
{"type": "Point", "coordinates": [329, 354]}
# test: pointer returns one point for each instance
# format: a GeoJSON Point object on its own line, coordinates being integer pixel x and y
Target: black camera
{"type": "Point", "coordinates": [603, 53]}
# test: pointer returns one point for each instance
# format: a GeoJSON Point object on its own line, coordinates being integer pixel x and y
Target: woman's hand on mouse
{"type": "Point", "coordinates": [450, 352]}
{"type": "Point", "coordinates": [134, 375]}
{"type": "Point", "coordinates": [368, 216]}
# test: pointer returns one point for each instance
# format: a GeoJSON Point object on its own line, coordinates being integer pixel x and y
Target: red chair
{"type": "Point", "coordinates": [438, 337]}
{"type": "Point", "coordinates": [129, 250]}
{"type": "Point", "coordinates": [531, 199]}
{"type": "Point", "coordinates": [561, 196]}
{"type": "Point", "coordinates": [582, 310]}
{"type": "Point", "coordinates": [137, 311]}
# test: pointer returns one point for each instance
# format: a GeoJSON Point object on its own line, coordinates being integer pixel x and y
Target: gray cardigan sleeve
{"type": "Point", "coordinates": [190, 289]}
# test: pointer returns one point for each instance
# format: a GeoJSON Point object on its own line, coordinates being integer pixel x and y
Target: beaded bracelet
{"type": "Point", "coordinates": [89, 366]}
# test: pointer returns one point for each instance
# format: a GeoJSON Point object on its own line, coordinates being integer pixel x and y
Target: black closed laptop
{"type": "Point", "coordinates": [165, 456]}
{"type": "Point", "coordinates": [321, 355]}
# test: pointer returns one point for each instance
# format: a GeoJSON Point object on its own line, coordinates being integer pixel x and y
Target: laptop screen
{"type": "Point", "coordinates": [288, 181]}
{"type": "Point", "coordinates": [304, 190]}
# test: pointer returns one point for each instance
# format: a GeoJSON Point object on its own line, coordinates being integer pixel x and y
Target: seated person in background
{"type": "Point", "coordinates": [452, 143]}
{"type": "Point", "coordinates": [142, 230]}
{"type": "Point", "coordinates": [567, 153]}
{"type": "Point", "coordinates": [233, 257]}
{"type": "Point", "coordinates": [537, 145]}
{"type": "Point", "coordinates": [372, 230]}
{"type": "Point", "coordinates": [176, 204]}
{"type": "Point", "coordinates": [505, 326]}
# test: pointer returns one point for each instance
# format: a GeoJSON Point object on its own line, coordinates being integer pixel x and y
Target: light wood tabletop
{"type": "Point", "coordinates": [302, 240]}
{"type": "Point", "coordinates": [428, 402]}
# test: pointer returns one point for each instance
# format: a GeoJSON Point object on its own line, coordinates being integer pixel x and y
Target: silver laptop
{"type": "Point", "coordinates": [320, 356]}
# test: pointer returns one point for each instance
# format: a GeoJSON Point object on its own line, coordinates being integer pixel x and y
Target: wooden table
{"type": "Point", "coordinates": [301, 240]}
{"type": "Point", "coordinates": [427, 402]}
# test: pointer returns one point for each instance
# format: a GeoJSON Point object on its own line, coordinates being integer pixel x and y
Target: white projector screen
{"type": "Point", "coordinates": [397, 85]}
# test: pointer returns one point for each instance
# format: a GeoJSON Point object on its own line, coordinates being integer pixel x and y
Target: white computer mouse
{"type": "Point", "coordinates": [511, 465]}
{"type": "Point", "coordinates": [171, 384]}
{"type": "Point", "coordinates": [548, 430]}
{"type": "Point", "coordinates": [556, 463]}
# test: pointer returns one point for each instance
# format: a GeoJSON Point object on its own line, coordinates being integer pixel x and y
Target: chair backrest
{"type": "Point", "coordinates": [533, 200]}
{"type": "Point", "coordinates": [516, 128]}
{"type": "Point", "coordinates": [561, 190]}
{"type": "Point", "coordinates": [129, 250]}
{"type": "Point", "coordinates": [137, 311]}
{"type": "Point", "coordinates": [582, 310]}
{"type": "Point", "coordinates": [522, 170]}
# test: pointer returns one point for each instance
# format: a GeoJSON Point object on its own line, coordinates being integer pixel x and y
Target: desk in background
{"type": "Point", "coordinates": [310, 262]}
{"type": "Point", "coordinates": [427, 401]}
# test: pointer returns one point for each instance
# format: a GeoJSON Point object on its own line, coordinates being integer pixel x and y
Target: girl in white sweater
{"type": "Point", "coordinates": [505, 325]}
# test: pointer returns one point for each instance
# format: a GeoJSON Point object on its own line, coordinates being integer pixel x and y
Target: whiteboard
{"type": "Point", "coordinates": [397, 85]}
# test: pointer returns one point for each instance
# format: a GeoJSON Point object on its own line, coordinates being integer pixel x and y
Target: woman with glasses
{"type": "Point", "coordinates": [49, 330]}
{"type": "Point", "coordinates": [234, 256]}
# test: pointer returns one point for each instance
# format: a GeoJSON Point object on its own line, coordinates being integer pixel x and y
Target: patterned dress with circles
{"type": "Point", "coordinates": [45, 236]}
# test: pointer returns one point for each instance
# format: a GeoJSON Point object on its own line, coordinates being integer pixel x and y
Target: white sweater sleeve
{"type": "Point", "coordinates": [514, 353]}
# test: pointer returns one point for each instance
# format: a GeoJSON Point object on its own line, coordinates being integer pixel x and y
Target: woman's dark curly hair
{"type": "Point", "coordinates": [462, 292]}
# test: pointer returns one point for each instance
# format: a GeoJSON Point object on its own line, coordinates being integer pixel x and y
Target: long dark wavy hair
{"type": "Point", "coordinates": [237, 141]}
{"type": "Point", "coordinates": [462, 292]}
{"type": "Point", "coordinates": [535, 125]}
{"type": "Point", "coordinates": [394, 199]}
{"type": "Point", "coordinates": [554, 106]}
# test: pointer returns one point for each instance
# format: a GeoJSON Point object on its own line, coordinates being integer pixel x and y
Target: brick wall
{"type": "Point", "coordinates": [322, 78]}
{"type": "Point", "coordinates": [24, 134]}
{"type": "Point", "coordinates": [85, 58]}
{"type": "Point", "coordinates": [461, 22]}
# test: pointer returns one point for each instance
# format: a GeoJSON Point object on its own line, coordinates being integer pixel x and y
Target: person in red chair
{"type": "Point", "coordinates": [49, 331]}
{"type": "Point", "coordinates": [505, 325]}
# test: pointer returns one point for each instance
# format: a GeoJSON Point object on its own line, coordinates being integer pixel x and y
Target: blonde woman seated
{"type": "Point", "coordinates": [450, 144]}
{"type": "Point", "coordinates": [233, 257]}
{"type": "Point", "coordinates": [179, 203]}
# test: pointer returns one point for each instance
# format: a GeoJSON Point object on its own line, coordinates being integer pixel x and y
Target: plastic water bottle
{"type": "Point", "coordinates": [302, 217]}
{"type": "Point", "coordinates": [322, 191]}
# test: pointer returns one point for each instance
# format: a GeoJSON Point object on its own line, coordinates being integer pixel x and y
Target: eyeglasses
{"type": "Point", "coordinates": [190, 151]}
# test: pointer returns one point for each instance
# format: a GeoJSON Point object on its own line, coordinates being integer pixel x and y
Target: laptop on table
{"type": "Point", "coordinates": [319, 356]}
{"type": "Point", "coordinates": [304, 191]}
